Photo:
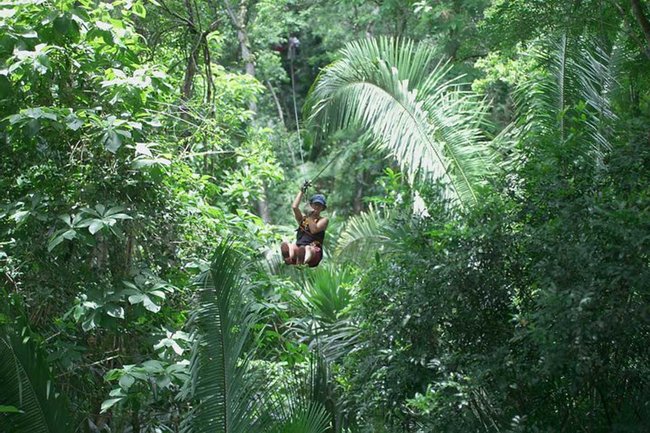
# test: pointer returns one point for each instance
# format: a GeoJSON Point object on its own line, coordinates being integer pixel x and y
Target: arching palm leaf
{"type": "Point", "coordinates": [368, 233]}
{"type": "Point", "coordinates": [301, 417]}
{"type": "Point", "coordinates": [324, 296]}
{"type": "Point", "coordinates": [297, 406]}
{"type": "Point", "coordinates": [575, 77]}
{"type": "Point", "coordinates": [27, 386]}
{"type": "Point", "coordinates": [223, 320]}
{"type": "Point", "coordinates": [328, 290]}
{"type": "Point", "coordinates": [393, 90]}
{"type": "Point", "coordinates": [226, 395]}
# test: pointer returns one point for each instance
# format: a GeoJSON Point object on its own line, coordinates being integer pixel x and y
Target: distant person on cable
{"type": "Point", "coordinates": [308, 249]}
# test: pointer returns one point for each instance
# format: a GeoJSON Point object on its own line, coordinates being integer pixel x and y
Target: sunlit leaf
{"type": "Point", "coordinates": [107, 404]}
{"type": "Point", "coordinates": [115, 311]}
{"type": "Point", "coordinates": [95, 226]}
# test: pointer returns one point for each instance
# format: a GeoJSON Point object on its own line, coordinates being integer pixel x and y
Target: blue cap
{"type": "Point", "coordinates": [318, 198]}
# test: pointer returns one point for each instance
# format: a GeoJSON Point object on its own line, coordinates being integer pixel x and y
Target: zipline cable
{"type": "Point", "coordinates": [292, 54]}
{"type": "Point", "coordinates": [336, 155]}
{"type": "Point", "coordinates": [293, 44]}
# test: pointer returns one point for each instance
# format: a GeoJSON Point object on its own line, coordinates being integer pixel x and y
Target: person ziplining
{"type": "Point", "coordinates": [310, 234]}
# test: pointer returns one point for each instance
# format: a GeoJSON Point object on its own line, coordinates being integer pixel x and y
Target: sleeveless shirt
{"type": "Point", "coordinates": [305, 237]}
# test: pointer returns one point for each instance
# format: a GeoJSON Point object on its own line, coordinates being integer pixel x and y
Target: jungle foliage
{"type": "Point", "coordinates": [487, 168]}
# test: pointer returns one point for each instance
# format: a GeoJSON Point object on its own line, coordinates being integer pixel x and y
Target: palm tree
{"type": "Point", "coordinates": [28, 402]}
{"type": "Point", "coordinates": [368, 233]}
{"type": "Point", "coordinates": [225, 395]}
{"type": "Point", "coordinates": [395, 91]}
{"type": "Point", "coordinates": [568, 96]}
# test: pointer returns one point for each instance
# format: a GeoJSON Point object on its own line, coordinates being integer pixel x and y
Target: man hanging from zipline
{"type": "Point", "coordinates": [308, 249]}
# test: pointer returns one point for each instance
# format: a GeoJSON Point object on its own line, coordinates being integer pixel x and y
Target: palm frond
{"type": "Point", "coordinates": [328, 291]}
{"type": "Point", "coordinates": [296, 406]}
{"type": "Point", "coordinates": [335, 340]}
{"type": "Point", "coordinates": [596, 74]}
{"type": "Point", "coordinates": [223, 319]}
{"type": "Point", "coordinates": [28, 386]}
{"type": "Point", "coordinates": [324, 297]}
{"type": "Point", "coordinates": [307, 418]}
{"type": "Point", "coordinates": [394, 90]}
{"type": "Point", "coordinates": [366, 234]}
{"type": "Point", "coordinates": [569, 97]}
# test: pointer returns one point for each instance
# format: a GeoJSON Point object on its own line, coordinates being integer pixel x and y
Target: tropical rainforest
{"type": "Point", "coordinates": [486, 166]}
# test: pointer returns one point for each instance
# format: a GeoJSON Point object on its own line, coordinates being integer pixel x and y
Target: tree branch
{"type": "Point", "coordinates": [176, 15]}
{"type": "Point", "coordinates": [277, 101]}
{"type": "Point", "coordinates": [628, 28]}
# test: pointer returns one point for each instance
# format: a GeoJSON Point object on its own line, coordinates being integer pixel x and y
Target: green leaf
{"type": "Point", "coordinates": [56, 240]}
{"type": "Point", "coordinates": [115, 311]}
{"type": "Point", "coordinates": [393, 90]}
{"type": "Point", "coordinates": [73, 122]}
{"type": "Point", "coordinates": [150, 305]}
{"type": "Point", "coordinates": [149, 162]}
{"type": "Point", "coordinates": [153, 366]}
{"type": "Point", "coordinates": [139, 10]}
{"type": "Point", "coordinates": [136, 299]}
{"type": "Point", "coordinates": [62, 24]}
{"type": "Point", "coordinates": [158, 293]}
{"type": "Point", "coordinates": [7, 13]}
{"type": "Point", "coordinates": [111, 141]}
{"type": "Point", "coordinates": [9, 409]}
{"type": "Point", "coordinates": [143, 149]}
{"type": "Point", "coordinates": [30, 404]}
{"type": "Point", "coordinates": [20, 216]}
{"type": "Point", "coordinates": [126, 381]}
{"type": "Point", "coordinates": [107, 404]}
{"type": "Point", "coordinates": [163, 381]}
{"type": "Point", "coordinates": [115, 212]}
{"type": "Point", "coordinates": [95, 226]}
{"type": "Point", "coordinates": [89, 323]}
{"type": "Point", "coordinates": [77, 312]}
{"type": "Point", "coordinates": [177, 348]}
{"type": "Point", "coordinates": [104, 26]}
{"type": "Point", "coordinates": [220, 357]}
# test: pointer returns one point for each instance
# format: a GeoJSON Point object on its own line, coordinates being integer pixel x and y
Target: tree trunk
{"type": "Point", "coordinates": [637, 11]}
{"type": "Point", "coordinates": [277, 103]}
{"type": "Point", "coordinates": [191, 69]}
{"type": "Point", "coordinates": [247, 58]}
{"type": "Point", "coordinates": [239, 22]}
{"type": "Point", "coordinates": [263, 207]}
{"type": "Point", "coordinates": [358, 198]}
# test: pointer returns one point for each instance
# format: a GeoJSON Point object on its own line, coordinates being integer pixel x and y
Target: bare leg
{"type": "Point", "coordinates": [300, 256]}
{"type": "Point", "coordinates": [294, 253]}
{"type": "Point", "coordinates": [289, 252]}
{"type": "Point", "coordinates": [309, 252]}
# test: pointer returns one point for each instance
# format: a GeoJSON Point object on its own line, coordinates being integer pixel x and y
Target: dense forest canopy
{"type": "Point", "coordinates": [486, 165]}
